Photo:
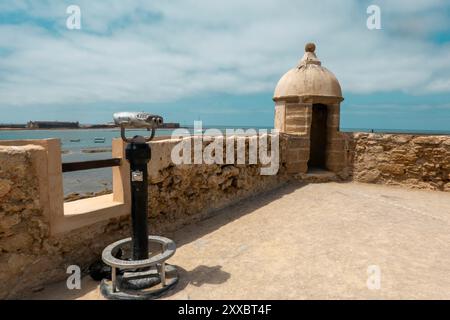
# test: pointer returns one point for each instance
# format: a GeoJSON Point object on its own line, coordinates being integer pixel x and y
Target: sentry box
{"type": "Point", "coordinates": [137, 273]}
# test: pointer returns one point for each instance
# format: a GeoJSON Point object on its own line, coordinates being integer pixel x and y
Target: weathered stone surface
{"type": "Point", "coordinates": [296, 142]}
{"type": "Point", "coordinates": [368, 176]}
{"type": "Point", "coordinates": [5, 187]}
{"type": "Point", "coordinates": [297, 167]}
{"type": "Point", "coordinates": [394, 169]}
{"type": "Point", "coordinates": [8, 221]}
{"type": "Point", "coordinates": [413, 161]}
{"type": "Point", "coordinates": [401, 139]}
{"type": "Point", "coordinates": [433, 140]}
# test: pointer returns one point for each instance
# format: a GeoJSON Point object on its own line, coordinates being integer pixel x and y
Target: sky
{"type": "Point", "coordinates": [219, 61]}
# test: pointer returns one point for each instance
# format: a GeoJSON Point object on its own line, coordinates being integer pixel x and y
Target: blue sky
{"type": "Point", "coordinates": [219, 61]}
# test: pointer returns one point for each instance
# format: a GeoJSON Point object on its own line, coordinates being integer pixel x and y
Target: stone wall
{"type": "Point", "coordinates": [400, 159]}
{"type": "Point", "coordinates": [30, 256]}
{"type": "Point", "coordinates": [22, 225]}
{"type": "Point", "coordinates": [186, 192]}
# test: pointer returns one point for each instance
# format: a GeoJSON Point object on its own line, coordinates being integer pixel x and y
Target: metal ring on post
{"type": "Point", "coordinates": [129, 140]}
{"type": "Point", "coordinates": [108, 256]}
{"type": "Point", "coordinates": [164, 274]}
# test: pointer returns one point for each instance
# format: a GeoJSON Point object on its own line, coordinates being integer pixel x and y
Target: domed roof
{"type": "Point", "coordinates": [309, 78]}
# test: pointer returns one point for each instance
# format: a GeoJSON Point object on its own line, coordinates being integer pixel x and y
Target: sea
{"type": "Point", "coordinates": [73, 142]}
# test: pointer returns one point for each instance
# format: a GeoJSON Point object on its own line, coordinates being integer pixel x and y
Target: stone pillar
{"type": "Point", "coordinates": [294, 118]}
{"type": "Point", "coordinates": [335, 152]}
{"type": "Point", "coordinates": [298, 118]}
{"type": "Point", "coordinates": [280, 116]}
{"type": "Point", "coordinates": [297, 153]}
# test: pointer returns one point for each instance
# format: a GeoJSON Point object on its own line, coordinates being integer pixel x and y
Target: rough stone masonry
{"type": "Point", "coordinates": [400, 159]}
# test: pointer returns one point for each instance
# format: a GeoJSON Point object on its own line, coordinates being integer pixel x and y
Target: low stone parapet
{"type": "Point", "coordinates": [417, 161]}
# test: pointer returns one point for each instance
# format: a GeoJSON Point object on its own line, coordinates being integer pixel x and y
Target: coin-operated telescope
{"type": "Point", "coordinates": [137, 273]}
{"type": "Point", "coordinates": [137, 120]}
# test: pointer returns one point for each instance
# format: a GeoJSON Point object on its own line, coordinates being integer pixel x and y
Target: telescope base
{"type": "Point", "coordinates": [139, 279]}
{"type": "Point", "coordinates": [140, 285]}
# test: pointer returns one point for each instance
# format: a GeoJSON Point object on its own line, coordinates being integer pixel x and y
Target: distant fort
{"type": "Point", "coordinates": [52, 125]}
{"type": "Point", "coordinates": [70, 125]}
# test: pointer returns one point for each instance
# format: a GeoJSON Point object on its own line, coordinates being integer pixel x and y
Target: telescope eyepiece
{"type": "Point", "coordinates": [137, 120]}
{"type": "Point", "coordinates": [156, 120]}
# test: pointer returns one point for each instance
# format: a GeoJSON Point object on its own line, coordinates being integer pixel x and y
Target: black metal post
{"type": "Point", "coordinates": [138, 153]}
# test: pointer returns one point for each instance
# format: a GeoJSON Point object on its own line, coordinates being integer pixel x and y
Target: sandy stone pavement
{"type": "Point", "coordinates": [312, 241]}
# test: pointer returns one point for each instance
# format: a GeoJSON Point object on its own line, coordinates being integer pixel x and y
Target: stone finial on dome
{"type": "Point", "coordinates": [310, 47]}
{"type": "Point", "coordinates": [308, 79]}
{"type": "Point", "coordinates": [310, 56]}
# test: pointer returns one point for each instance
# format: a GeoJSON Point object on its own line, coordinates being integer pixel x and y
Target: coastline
{"type": "Point", "coordinates": [368, 130]}
{"type": "Point", "coordinates": [73, 196]}
{"type": "Point", "coordinates": [78, 129]}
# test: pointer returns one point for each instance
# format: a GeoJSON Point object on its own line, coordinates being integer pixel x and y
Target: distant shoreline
{"type": "Point", "coordinates": [77, 129]}
{"type": "Point", "coordinates": [380, 131]}
{"type": "Point", "coordinates": [96, 150]}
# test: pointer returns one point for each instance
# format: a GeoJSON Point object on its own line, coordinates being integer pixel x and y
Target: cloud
{"type": "Point", "coordinates": [159, 51]}
{"type": "Point", "coordinates": [439, 85]}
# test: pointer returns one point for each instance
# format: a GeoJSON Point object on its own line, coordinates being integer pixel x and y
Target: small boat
{"type": "Point", "coordinates": [74, 140]}
{"type": "Point", "coordinates": [99, 140]}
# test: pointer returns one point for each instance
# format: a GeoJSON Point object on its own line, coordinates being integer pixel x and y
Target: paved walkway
{"type": "Point", "coordinates": [313, 241]}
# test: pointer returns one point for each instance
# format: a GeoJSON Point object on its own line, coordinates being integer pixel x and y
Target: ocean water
{"type": "Point", "coordinates": [85, 181]}
{"type": "Point", "coordinates": [100, 179]}
{"type": "Point", "coordinates": [80, 181]}
{"type": "Point", "coordinates": [86, 136]}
